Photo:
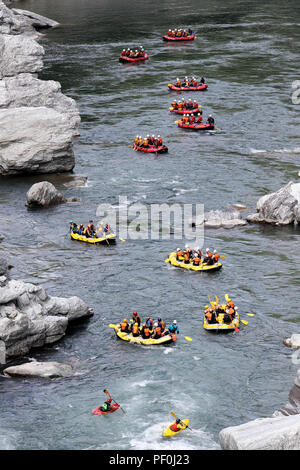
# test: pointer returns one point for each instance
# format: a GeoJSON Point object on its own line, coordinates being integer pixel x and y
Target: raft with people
{"type": "Point", "coordinates": [221, 317]}
{"type": "Point", "coordinates": [190, 88]}
{"type": "Point", "coordinates": [148, 334]}
{"type": "Point", "coordinates": [90, 234]}
{"type": "Point", "coordinates": [98, 411]}
{"type": "Point", "coordinates": [194, 261]}
{"type": "Point", "coordinates": [130, 56]}
{"type": "Point", "coordinates": [151, 149]}
{"type": "Point", "coordinates": [188, 84]}
{"type": "Point", "coordinates": [179, 35]}
{"type": "Point", "coordinates": [197, 127]}
{"type": "Point", "coordinates": [149, 144]}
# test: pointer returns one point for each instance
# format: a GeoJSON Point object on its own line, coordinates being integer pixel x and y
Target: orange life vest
{"type": "Point", "coordinates": [135, 329]}
{"type": "Point", "coordinates": [123, 326]}
{"type": "Point", "coordinates": [196, 261]}
{"type": "Point", "coordinates": [146, 332]}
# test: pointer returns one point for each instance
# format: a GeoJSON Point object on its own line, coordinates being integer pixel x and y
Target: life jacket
{"type": "Point", "coordinates": [178, 83]}
{"type": "Point", "coordinates": [157, 331]}
{"type": "Point", "coordinates": [140, 141]}
{"type": "Point", "coordinates": [123, 326]}
{"type": "Point", "coordinates": [136, 140]}
{"type": "Point", "coordinates": [146, 332]}
{"type": "Point", "coordinates": [185, 34]}
{"type": "Point", "coordinates": [186, 256]}
{"type": "Point", "coordinates": [145, 142]}
{"type": "Point", "coordinates": [209, 254]}
{"type": "Point", "coordinates": [199, 119]}
{"type": "Point", "coordinates": [179, 253]}
{"type": "Point", "coordinates": [174, 104]}
{"type": "Point", "coordinates": [162, 325]}
{"type": "Point", "coordinates": [216, 257]}
{"type": "Point", "coordinates": [231, 311]}
{"type": "Point", "coordinates": [180, 106]}
{"type": "Point", "coordinates": [160, 141]}
{"type": "Point", "coordinates": [192, 119]}
{"type": "Point", "coordinates": [135, 330]}
{"type": "Point", "coordinates": [150, 322]}
{"type": "Point", "coordinates": [208, 316]}
{"type": "Point", "coordinates": [196, 261]}
{"type": "Point", "coordinates": [174, 427]}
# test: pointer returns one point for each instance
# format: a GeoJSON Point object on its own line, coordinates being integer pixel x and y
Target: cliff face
{"type": "Point", "coordinates": [37, 122]}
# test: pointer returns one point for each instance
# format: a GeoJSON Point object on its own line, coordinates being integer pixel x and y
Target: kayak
{"type": "Point", "coordinates": [168, 432]}
{"type": "Point", "coordinates": [197, 127]}
{"type": "Point", "coordinates": [220, 326]}
{"type": "Point", "coordinates": [170, 338]}
{"type": "Point", "coordinates": [191, 37]}
{"type": "Point", "coordinates": [185, 111]}
{"type": "Point", "coordinates": [98, 411]}
{"type": "Point", "coordinates": [151, 149]}
{"type": "Point", "coordinates": [125, 59]}
{"type": "Point", "coordinates": [203, 267]}
{"type": "Point", "coordinates": [108, 240]}
{"type": "Point", "coordinates": [191, 88]}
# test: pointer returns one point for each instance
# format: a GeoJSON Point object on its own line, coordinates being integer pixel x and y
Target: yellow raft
{"type": "Point", "coordinates": [138, 339]}
{"type": "Point", "coordinates": [221, 326]}
{"type": "Point", "coordinates": [202, 267]}
{"type": "Point", "coordinates": [108, 240]}
{"type": "Point", "coordinates": [168, 432]}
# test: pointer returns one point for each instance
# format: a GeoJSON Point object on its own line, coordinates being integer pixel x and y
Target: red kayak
{"type": "Point", "coordinates": [126, 59]}
{"type": "Point", "coordinates": [197, 127]}
{"type": "Point", "coordinates": [187, 38]}
{"type": "Point", "coordinates": [185, 111]}
{"type": "Point", "coordinates": [151, 149]}
{"type": "Point", "coordinates": [114, 407]}
{"type": "Point", "coordinates": [191, 88]}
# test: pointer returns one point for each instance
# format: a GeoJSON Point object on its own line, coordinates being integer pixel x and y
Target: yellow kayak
{"type": "Point", "coordinates": [202, 267]}
{"type": "Point", "coordinates": [168, 432]}
{"type": "Point", "coordinates": [138, 339]}
{"type": "Point", "coordinates": [221, 326]}
{"type": "Point", "coordinates": [108, 240]}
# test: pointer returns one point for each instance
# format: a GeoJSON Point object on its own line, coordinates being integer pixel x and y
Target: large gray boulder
{"type": "Point", "coordinates": [229, 217]}
{"type": "Point", "coordinates": [280, 207]}
{"type": "Point", "coordinates": [20, 54]}
{"type": "Point", "coordinates": [293, 405]}
{"type": "Point", "coordinates": [280, 433]}
{"type": "Point", "coordinates": [47, 370]}
{"type": "Point", "coordinates": [26, 90]}
{"type": "Point", "coordinates": [30, 318]}
{"type": "Point", "coordinates": [10, 23]}
{"type": "Point", "coordinates": [37, 21]}
{"type": "Point", "coordinates": [43, 194]}
{"type": "Point", "coordinates": [35, 140]}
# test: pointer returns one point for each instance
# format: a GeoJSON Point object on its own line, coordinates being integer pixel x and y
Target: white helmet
{"type": "Point", "coordinates": [186, 246]}
{"type": "Point", "coordinates": [153, 135]}
{"type": "Point", "coordinates": [174, 322]}
{"type": "Point", "coordinates": [209, 115]}
{"type": "Point", "coordinates": [207, 249]}
{"type": "Point", "coordinates": [177, 249]}
{"type": "Point", "coordinates": [158, 135]}
{"type": "Point", "coordinates": [197, 248]}
{"type": "Point", "coordinates": [198, 114]}
{"type": "Point", "coordinates": [177, 78]}
{"type": "Point", "coordinates": [215, 251]}
{"type": "Point", "coordinates": [155, 324]}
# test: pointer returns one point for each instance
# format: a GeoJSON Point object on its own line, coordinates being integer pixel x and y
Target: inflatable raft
{"type": "Point", "coordinates": [108, 240]}
{"type": "Point", "coordinates": [169, 433]}
{"type": "Point", "coordinates": [184, 110]}
{"type": "Point", "coordinates": [98, 411]}
{"type": "Point", "coordinates": [131, 60]}
{"type": "Point", "coordinates": [138, 339]}
{"type": "Point", "coordinates": [191, 37]}
{"type": "Point", "coordinates": [197, 127]}
{"type": "Point", "coordinates": [191, 88]}
{"type": "Point", "coordinates": [202, 267]}
{"type": "Point", "coordinates": [221, 326]}
{"type": "Point", "coordinates": [151, 149]}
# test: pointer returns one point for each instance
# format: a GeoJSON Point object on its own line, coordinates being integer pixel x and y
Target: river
{"type": "Point", "coordinates": [249, 54]}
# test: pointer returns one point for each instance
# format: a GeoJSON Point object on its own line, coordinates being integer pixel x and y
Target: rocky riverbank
{"type": "Point", "coordinates": [30, 318]}
{"type": "Point", "coordinates": [37, 122]}
{"type": "Point", "coordinates": [280, 432]}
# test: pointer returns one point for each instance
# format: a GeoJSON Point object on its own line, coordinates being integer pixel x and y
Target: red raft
{"type": "Point", "coordinates": [151, 149]}
{"type": "Point", "coordinates": [114, 407]}
{"type": "Point", "coordinates": [197, 127]}
{"type": "Point", "coordinates": [125, 59]}
{"type": "Point", "coordinates": [187, 38]}
{"type": "Point", "coordinates": [185, 111]}
{"type": "Point", "coordinates": [192, 88]}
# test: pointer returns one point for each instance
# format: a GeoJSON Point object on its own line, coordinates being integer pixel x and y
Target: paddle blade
{"type": "Point", "coordinates": [173, 414]}
{"type": "Point", "coordinates": [122, 240]}
{"type": "Point", "coordinates": [167, 260]}
{"type": "Point", "coordinates": [245, 322]}
{"type": "Point", "coordinates": [250, 314]}
{"type": "Point", "coordinates": [188, 338]}
{"type": "Point", "coordinates": [236, 329]}
{"type": "Point", "coordinates": [111, 325]}
{"type": "Point", "coordinates": [227, 298]}
{"type": "Point", "coordinates": [217, 300]}
{"type": "Point", "coordinates": [222, 257]}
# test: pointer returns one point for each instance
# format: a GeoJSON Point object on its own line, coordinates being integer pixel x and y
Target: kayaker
{"type": "Point", "coordinates": [136, 318]}
{"type": "Point", "coordinates": [210, 120]}
{"type": "Point", "coordinates": [124, 326]}
{"type": "Point", "coordinates": [106, 405]}
{"type": "Point", "coordinates": [176, 426]}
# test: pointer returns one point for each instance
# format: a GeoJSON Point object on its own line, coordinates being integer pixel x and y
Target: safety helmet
{"type": "Point", "coordinates": [215, 251]}
{"type": "Point", "coordinates": [198, 114]}
{"type": "Point", "coordinates": [186, 246]}
{"type": "Point", "coordinates": [155, 324]}
{"type": "Point", "coordinates": [125, 320]}
{"type": "Point", "coordinates": [177, 249]}
{"type": "Point", "coordinates": [158, 135]}
{"type": "Point", "coordinates": [136, 324]}
{"type": "Point", "coordinates": [159, 319]}
{"type": "Point", "coordinates": [209, 115]}
{"type": "Point", "coordinates": [174, 322]}
{"type": "Point", "coordinates": [71, 221]}
{"type": "Point", "coordinates": [134, 313]}
{"type": "Point", "coordinates": [177, 78]}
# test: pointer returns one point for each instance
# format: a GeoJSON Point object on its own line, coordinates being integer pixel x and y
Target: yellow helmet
{"type": "Point", "coordinates": [125, 320]}
{"type": "Point", "coordinates": [136, 324]}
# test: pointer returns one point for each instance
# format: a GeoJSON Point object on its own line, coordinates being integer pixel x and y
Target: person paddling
{"type": "Point", "coordinates": [106, 405]}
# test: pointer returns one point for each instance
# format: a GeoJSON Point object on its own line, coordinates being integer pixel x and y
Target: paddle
{"type": "Point", "coordinates": [107, 393]}
{"type": "Point", "coordinates": [167, 260]}
{"type": "Point", "coordinates": [222, 257]}
{"type": "Point", "coordinates": [227, 298]}
{"type": "Point", "coordinates": [250, 314]}
{"type": "Point", "coordinates": [245, 322]}
{"type": "Point", "coordinates": [173, 414]}
{"type": "Point", "coordinates": [188, 338]}
{"type": "Point", "coordinates": [122, 239]}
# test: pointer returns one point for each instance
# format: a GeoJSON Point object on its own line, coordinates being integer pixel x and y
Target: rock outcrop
{"type": "Point", "coordinates": [43, 194]}
{"type": "Point", "coordinates": [280, 432]}
{"type": "Point", "coordinates": [37, 21]}
{"type": "Point", "coordinates": [48, 370]}
{"type": "Point", "coordinates": [30, 318]}
{"type": "Point", "coordinates": [279, 208]}
{"type": "Point", "coordinates": [227, 218]}
{"type": "Point", "coordinates": [37, 122]}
